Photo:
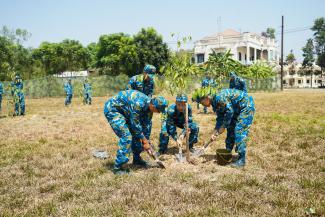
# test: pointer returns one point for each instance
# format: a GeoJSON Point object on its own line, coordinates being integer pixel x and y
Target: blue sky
{"type": "Point", "coordinates": [55, 20]}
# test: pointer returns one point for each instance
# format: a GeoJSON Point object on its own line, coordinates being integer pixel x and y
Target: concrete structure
{"type": "Point", "coordinates": [246, 47]}
{"type": "Point", "coordinates": [295, 77]}
{"type": "Point", "coordinates": [68, 74]}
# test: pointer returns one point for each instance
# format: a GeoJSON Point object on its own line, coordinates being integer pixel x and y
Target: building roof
{"type": "Point", "coordinates": [226, 33]}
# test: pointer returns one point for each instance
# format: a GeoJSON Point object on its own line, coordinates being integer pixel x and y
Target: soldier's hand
{"type": "Point", "coordinates": [179, 142]}
{"type": "Point", "coordinates": [181, 137]}
{"type": "Point", "coordinates": [145, 144]}
{"type": "Point", "coordinates": [221, 130]}
{"type": "Point", "coordinates": [213, 137]}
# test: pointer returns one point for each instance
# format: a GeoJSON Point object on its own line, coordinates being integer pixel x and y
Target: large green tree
{"type": "Point", "coordinates": [92, 49]}
{"type": "Point", "coordinates": [270, 33]}
{"type": "Point", "coordinates": [74, 56]}
{"type": "Point", "coordinates": [319, 34]}
{"type": "Point", "coordinates": [150, 49]}
{"type": "Point", "coordinates": [290, 59]}
{"type": "Point", "coordinates": [116, 53]}
{"type": "Point", "coordinates": [308, 54]}
{"type": "Point", "coordinates": [69, 55]}
{"type": "Point", "coordinates": [14, 58]}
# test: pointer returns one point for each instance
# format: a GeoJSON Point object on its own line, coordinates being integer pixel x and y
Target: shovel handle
{"type": "Point", "coordinates": [208, 143]}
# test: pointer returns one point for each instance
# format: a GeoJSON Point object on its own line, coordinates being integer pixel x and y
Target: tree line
{"type": "Point", "coordinates": [111, 55]}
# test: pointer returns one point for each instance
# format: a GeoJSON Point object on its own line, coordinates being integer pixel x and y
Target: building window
{"type": "Point", "coordinates": [319, 81]}
{"type": "Point", "coordinates": [284, 81]}
{"type": "Point", "coordinates": [299, 81]}
{"type": "Point", "coordinates": [239, 56]}
{"type": "Point", "coordinates": [245, 57]}
{"type": "Point", "coordinates": [200, 58]}
{"type": "Point", "coordinates": [307, 81]}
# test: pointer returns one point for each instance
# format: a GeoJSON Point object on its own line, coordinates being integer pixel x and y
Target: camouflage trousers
{"type": "Point", "coordinates": [238, 131]}
{"type": "Point", "coordinates": [164, 136]}
{"type": "Point", "coordinates": [19, 104]}
{"type": "Point", "coordinates": [127, 143]}
{"type": "Point", "coordinates": [87, 98]}
{"type": "Point", "coordinates": [68, 99]}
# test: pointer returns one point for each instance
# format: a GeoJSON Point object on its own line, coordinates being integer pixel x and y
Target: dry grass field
{"type": "Point", "coordinates": [47, 169]}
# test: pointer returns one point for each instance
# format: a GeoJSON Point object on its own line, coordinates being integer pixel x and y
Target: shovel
{"type": "Point", "coordinates": [180, 157]}
{"type": "Point", "coordinates": [199, 152]}
{"type": "Point", "coordinates": [153, 154]}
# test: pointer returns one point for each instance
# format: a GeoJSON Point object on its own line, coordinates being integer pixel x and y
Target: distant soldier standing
{"type": "Point", "coordinates": [87, 92]}
{"type": "Point", "coordinates": [144, 82]}
{"type": "Point", "coordinates": [237, 82]}
{"type": "Point", "coordinates": [69, 92]}
{"type": "Point", "coordinates": [207, 82]}
{"type": "Point", "coordinates": [18, 95]}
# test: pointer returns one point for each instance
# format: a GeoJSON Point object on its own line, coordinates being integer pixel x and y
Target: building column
{"type": "Point", "coordinates": [268, 55]}
{"type": "Point", "coordinates": [255, 54]}
{"type": "Point", "coordinates": [247, 54]}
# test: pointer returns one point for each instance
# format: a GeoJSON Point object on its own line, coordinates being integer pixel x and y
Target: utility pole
{"type": "Point", "coordinates": [282, 53]}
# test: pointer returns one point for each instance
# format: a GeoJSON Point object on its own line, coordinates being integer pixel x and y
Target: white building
{"type": "Point", "coordinates": [246, 47]}
{"type": "Point", "coordinates": [294, 77]}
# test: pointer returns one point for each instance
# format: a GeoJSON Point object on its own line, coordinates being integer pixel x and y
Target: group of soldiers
{"type": "Point", "coordinates": [130, 112]}
{"type": "Point", "coordinates": [130, 115]}
{"type": "Point", "coordinates": [17, 93]}
{"type": "Point", "coordinates": [87, 92]}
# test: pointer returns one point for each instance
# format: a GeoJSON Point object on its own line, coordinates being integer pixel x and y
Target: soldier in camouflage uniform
{"type": "Point", "coordinates": [129, 113]}
{"type": "Point", "coordinates": [18, 95]}
{"type": "Point", "coordinates": [145, 82]}
{"type": "Point", "coordinates": [175, 117]}
{"type": "Point", "coordinates": [207, 82]}
{"type": "Point", "coordinates": [69, 92]}
{"type": "Point", "coordinates": [237, 82]}
{"type": "Point", "coordinates": [235, 112]}
{"type": "Point", "coordinates": [87, 92]}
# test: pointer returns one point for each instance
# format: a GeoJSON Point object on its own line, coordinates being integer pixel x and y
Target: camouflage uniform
{"type": "Point", "coordinates": [69, 92]}
{"type": "Point", "coordinates": [87, 93]}
{"type": "Point", "coordinates": [138, 83]}
{"type": "Point", "coordinates": [237, 82]}
{"type": "Point", "coordinates": [207, 82]}
{"type": "Point", "coordinates": [235, 112]}
{"type": "Point", "coordinates": [1, 93]}
{"type": "Point", "coordinates": [18, 95]}
{"type": "Point", "coordinates": [129, 116]}
{"type": "Point", "coordinates": [173, 120]}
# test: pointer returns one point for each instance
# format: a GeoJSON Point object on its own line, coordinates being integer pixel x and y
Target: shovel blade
{"type": "Point", "coordinates": [198, 153]}
{"type": "Point", "coordinates": [160, 164]}
{"type": "Point", "coordinates": [180, 158]}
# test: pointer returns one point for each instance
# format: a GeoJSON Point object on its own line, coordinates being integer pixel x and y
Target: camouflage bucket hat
{"type": "Point", "coordinates": [160, 103]}
{"type": "Point", "coordinates": [150, 69]}
{"type": "Point", "coordinates": [181, 98]}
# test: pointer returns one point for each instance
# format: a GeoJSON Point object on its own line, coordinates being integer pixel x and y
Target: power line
{"type": "Point", "coordinates": [287, 31]}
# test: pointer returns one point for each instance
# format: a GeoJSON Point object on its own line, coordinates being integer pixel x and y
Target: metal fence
{"type": "Point", "coordinates": [103, 85]}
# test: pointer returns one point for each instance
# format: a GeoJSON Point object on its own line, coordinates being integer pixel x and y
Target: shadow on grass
{"type": "Point", "coordinates": [110, 166]}
{"type": "Point", "coordinates": [212, 157]}
{"type": "Point", "coordinates": [2, 116]}
{"type": "Point", "coordinates": [208, 158]}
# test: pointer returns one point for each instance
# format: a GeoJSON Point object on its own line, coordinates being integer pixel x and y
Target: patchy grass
{"type": "Point", "coordinates": [47, 169]}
